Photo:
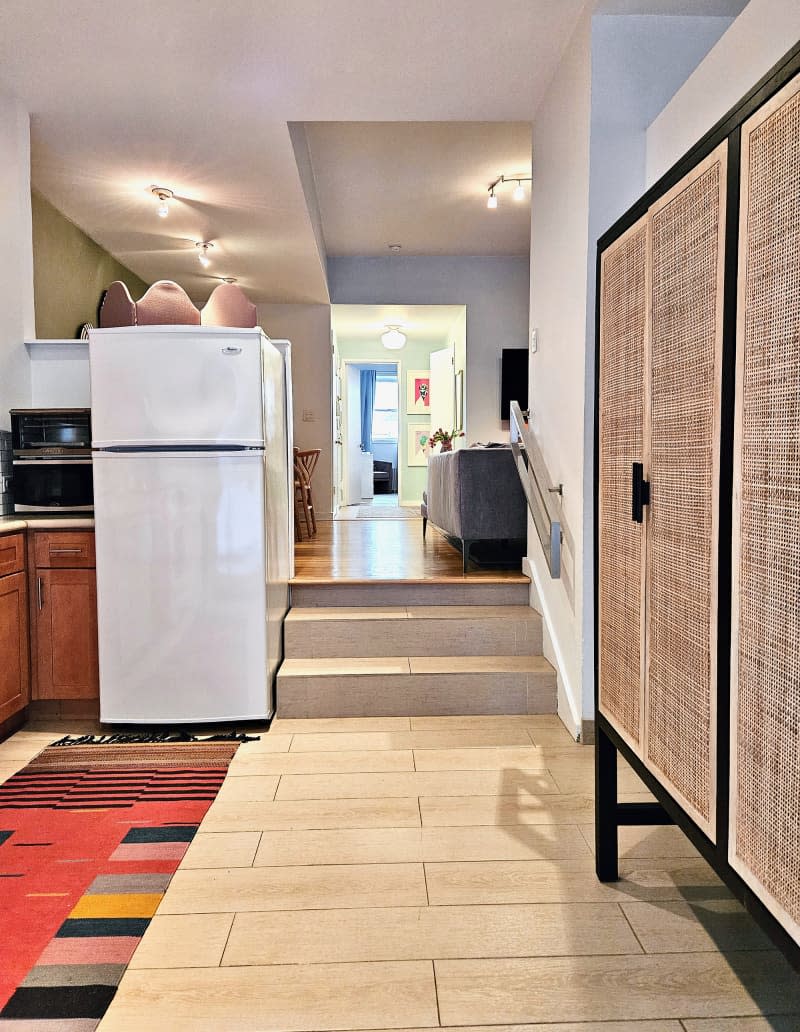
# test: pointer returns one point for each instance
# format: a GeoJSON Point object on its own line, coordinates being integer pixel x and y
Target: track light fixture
{"type": "Point", "coordinates": [163, 195]}
{"type": "Point", "coordinates": [519, 189]}
{"type": "Point", "coordinates": [202, 255]}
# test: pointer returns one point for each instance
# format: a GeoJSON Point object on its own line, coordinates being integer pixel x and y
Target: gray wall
{"type": "Point", "coordinates": [495, 292]}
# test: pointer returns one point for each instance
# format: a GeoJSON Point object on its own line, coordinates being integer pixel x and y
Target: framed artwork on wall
{"type": "Point", "coordinates": [417, 444]}
{"type": "Point", "coordinates": [418, 391]}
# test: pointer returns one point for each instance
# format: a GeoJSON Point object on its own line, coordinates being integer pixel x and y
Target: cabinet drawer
{"type": "Point", "coordinates": [12, 554]}
{"type": "Point", "coordinates": [69, 548]}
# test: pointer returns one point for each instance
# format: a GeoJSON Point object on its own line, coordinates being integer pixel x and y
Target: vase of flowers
{"type": "Point", "coordinates": [445, 438]}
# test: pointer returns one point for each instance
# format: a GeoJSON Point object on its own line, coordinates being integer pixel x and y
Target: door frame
{"type": "Point", "coordinates": [343, 469]}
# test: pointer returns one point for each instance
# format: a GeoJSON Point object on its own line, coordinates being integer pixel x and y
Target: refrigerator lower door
{"type": "Point", "coordinates": [181, 587]}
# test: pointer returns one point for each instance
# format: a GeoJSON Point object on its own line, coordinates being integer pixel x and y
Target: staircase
{"type": "Point", "coordinates": [405, 648]}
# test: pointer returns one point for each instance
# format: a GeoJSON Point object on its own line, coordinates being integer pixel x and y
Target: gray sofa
{"type": "Point", "coordinates": [475, 494]}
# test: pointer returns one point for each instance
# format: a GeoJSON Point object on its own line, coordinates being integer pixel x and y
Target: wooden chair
{"type": "Point", "coordinates": [306, 462]}
{"type": "Point", "coordinates": [302, 509]}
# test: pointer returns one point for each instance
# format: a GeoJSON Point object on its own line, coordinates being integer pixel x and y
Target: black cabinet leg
{"type": "Point", "coordinates": [424, 526]}
{"type": "Point", "coordinates": [606, 815]}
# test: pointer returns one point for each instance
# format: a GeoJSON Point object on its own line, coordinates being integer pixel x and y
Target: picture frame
{"type": "Point", "coordinates": [459, 409]}
{"type": "Point", "coordinates": [418, 392]}
{"type": "Point", "coordinates": [417, 447]}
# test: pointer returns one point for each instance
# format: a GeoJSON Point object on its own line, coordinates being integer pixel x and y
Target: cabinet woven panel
{"type": "Point", "coordinates": [765, 755]}
{"type": "Point", "coordinates": [622, 344]}
{"type": "Point", "coordinates": [684, 392]}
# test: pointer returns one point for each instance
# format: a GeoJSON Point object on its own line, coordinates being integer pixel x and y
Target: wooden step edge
{"type": "Point", "coordinates": [404, 666]}
{"type": "Point", "coordinates": [472, 580]}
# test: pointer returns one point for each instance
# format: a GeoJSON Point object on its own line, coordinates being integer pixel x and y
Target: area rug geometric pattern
{"type": "Point", "coordinates": [90, 837]}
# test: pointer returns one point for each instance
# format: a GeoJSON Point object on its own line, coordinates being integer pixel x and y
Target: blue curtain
{"type": "Point", "coordinates": [368, 378]}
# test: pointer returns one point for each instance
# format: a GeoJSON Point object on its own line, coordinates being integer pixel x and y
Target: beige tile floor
{"type": "Point", "coordinates": [437, 873]}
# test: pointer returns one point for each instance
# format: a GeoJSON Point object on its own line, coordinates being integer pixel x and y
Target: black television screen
{"type": "Point", "coordinates": [513, 380]}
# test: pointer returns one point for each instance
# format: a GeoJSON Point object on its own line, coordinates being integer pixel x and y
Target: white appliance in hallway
{"type": "Point", "coordinates": [192, 517]}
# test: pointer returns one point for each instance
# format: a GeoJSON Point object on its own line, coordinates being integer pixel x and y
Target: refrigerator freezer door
{"type": "Point", "coordinates": [176, 385]}
{"type": "Point", "coordinates": [182, 612]}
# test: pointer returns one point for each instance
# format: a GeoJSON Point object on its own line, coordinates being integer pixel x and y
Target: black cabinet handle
{"type": "Point", "coordinates": [640, 493]}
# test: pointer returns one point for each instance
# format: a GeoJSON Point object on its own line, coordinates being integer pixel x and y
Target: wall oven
{"type": "Point", "coordinates": [52, 465]}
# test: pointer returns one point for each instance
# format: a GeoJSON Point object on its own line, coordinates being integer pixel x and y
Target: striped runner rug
{"type": "Point", "coordinates": [90, 836]}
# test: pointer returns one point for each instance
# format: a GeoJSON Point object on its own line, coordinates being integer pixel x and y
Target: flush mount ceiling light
{"type": "Point", "coordinates": [163, 195]}
{"type": "Point", "coordinates": [393, 339]}
{"type": "Point", "coordinates": [202, 255]}
{"type": "Point", "coordinates": [519, 189]}
{"type": "Point", "coordinates": [395, 248]}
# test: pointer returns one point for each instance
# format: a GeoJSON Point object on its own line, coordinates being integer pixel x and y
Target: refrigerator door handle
{"type": "Point", "coordinates": [231, 349]}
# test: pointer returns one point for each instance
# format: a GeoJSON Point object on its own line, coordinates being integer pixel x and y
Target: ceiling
{"type": "Point", "coordinates": [198, 98]}
{"type": "Point", "coordinates": [422, 185]}
{"type": "Point", "coordinates": [421, 323]}
{"type": "Point", "coordinates": [202, 98]}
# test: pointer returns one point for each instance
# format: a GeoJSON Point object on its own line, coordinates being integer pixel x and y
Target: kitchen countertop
{"type": "Point", "coordinates": [45, 521]}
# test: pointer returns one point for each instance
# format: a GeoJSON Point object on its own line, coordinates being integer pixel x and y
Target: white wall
{"type": "Point", "coordinates": [495, 292]}
{"type": "Point", "coordinates": [16, 273]}
{"type": "Point", "coordinates": [308, 327]}
{"type": "Point", "coordinates": [757, 39]}
{"type": "Point", "coordinates": [559, 248]}
{"type": "Point", "coordinates": [589, 147]}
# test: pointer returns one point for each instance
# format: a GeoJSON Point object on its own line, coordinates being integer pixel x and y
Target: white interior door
{"type": "Point", "coordinates": [336, 411]}
{"type": "Point", "coordinates": [352, 436]}
{"type": "Point", "coordinates": [443, 389]}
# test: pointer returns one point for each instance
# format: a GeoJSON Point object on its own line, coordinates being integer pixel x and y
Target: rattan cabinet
{"type": "Point", "coordinates": [697, 515]}
{"type": "Point", "coordinates": [660, 380]}
{"type": "Point", "coordinates": [764, 846]}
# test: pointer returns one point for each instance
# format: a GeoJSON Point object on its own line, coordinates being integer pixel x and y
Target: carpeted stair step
{"type": "Point", "coordinates": [423, 685]}
{"type": "Point", "coordinates": [318, 632]}
{"type": "Point", "coordinates": [451, 591]}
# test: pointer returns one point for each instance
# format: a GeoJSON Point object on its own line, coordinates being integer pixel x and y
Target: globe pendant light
{"type": "Point", "coordinates": [393, 339]}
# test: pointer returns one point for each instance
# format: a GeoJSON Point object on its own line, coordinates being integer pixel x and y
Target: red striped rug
{"type": "Point", "coordinates": [90, 836]}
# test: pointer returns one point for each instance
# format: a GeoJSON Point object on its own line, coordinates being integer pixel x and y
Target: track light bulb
{"type": "Point", "coordinates": [202, 255]}
{"type": "Point", "coordinates": [492, 202]}
{"type": "Point", "coordinates": [519, 192]}
{"type": "Point", "coordinates": [163, 195]}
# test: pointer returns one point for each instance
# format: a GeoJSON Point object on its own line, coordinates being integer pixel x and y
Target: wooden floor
{"type": "Point", "coordinates": [427, 873]}
{"type": "Point", "coordinates": [384, 550]}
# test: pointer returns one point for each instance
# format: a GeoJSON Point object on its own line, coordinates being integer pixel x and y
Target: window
{"type": "Point", "coordinates": [384, 414]}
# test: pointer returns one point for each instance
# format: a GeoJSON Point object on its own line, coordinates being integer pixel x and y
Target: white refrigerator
{"type": "Point", "coordinates": [192, 515]}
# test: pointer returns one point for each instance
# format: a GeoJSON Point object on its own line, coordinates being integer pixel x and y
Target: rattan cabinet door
{"type": "Point", "coordinates": [683, 386]}
{"type": "Point", "coordinates": [623, 336]}
{"type": "Point", "coordinates": [764, 841]}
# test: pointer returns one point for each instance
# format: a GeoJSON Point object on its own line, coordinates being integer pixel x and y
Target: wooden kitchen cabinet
{"type": "Point", "coordinates": [64, 606]}
{"type": "Point", "coordinates": [14, 668]}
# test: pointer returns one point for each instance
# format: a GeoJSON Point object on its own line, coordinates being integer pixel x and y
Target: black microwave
{"type": "Point", "coordinates": [52, 464]}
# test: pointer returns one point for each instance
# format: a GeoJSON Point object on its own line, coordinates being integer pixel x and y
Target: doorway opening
{"type": "Point", "coordinates": [398, 375]}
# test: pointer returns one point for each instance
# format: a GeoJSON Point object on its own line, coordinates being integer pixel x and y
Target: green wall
{"type": "Point", "coordinates": [415, 355]}
{"type": "Point", "coordinates": [70, 272]}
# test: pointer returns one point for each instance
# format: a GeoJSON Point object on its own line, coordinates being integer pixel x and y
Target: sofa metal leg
{"type": "Point", "coordinates": [465, 546]}
{"type": "Point", "coordinates": [424, 526]}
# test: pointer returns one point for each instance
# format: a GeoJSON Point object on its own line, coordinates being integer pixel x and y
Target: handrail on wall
{"type": "Point", "coordinates": [538, 489]}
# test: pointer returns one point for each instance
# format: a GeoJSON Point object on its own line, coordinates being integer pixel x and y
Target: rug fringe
{"type": "Point", "coordinates": [146, 737]}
